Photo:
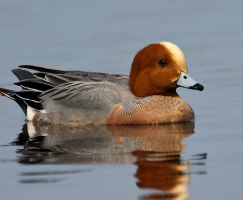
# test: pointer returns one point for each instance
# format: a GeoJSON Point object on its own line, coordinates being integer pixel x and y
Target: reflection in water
{"type": "Point", "coordinates": [155, 150]}
{"type": "Point", "coordinates": [164, 172]}
{"type": "Point", "coordinates": [47, 176]}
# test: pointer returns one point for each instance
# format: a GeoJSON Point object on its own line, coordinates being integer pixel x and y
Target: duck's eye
{"type": "Point", "coordinates": [162, 63]}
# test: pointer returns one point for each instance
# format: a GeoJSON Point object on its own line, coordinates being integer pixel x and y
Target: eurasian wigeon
{"type": "Point", "coordinates": [147, 96]}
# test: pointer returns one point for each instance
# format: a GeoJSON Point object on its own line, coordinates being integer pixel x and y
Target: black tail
{"type": "Point", "coordinates": [12, 95]}
{"type": "Point", "coordinates": [7, 93]}
{"type": "Point", "coordinates": [32, 87]}
{"type": "Point", "coordinates": [33, 84]}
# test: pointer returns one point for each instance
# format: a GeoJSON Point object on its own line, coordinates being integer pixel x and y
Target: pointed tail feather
{"type": "Point", "coordinates": [33, 84]}
{"type": "Point", "coordinates": [7, 93]}
{"type": "Point", "coordinates": [23, 74]}
{"type": "Point", "coordinates": [43, 69]}
{"type": "Point", "coordinates": [24, 98]}
{"type": "Point", "coordinates": [11, 94]}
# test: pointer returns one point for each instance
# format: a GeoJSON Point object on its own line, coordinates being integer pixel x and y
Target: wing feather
{"type": "Point", "coordinates": [85, 95]}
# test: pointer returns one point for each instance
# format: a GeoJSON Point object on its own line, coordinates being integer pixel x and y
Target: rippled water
{"type": "Point", "coordinates": [201, 160]}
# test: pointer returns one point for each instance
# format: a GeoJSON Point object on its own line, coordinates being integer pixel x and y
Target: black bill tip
{"type": "Point", "coordinates": [197, 86]}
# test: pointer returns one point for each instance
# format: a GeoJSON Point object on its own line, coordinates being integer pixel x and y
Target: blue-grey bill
{"type": "Point", "coordinates": [187, 81]}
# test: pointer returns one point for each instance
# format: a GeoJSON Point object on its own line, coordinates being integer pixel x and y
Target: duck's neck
{"type": "Point", "coordinates": [142, 87]}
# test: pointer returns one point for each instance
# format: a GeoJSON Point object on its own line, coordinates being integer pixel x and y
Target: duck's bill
{"type": "Point", "coordinates": [187, 82]}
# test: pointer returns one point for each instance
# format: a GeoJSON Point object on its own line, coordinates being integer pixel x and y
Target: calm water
{"type": "Point", "coordinates": [201, 160]}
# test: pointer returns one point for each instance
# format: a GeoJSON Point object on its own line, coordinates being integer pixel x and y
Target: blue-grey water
{"type": "Point", "coordinates": [201, 160]}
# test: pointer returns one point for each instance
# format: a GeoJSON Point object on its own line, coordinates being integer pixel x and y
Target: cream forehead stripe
{"type": "Point", "coordinates": [178, 55]}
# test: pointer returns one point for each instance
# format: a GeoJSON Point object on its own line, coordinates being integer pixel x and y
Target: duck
{"type": "Point", "coordinates": [76, 98]}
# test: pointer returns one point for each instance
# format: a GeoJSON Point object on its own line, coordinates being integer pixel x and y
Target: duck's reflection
{"type": "Point", "coordinates": [155, 150]}
{"type": "Point", "coordinates": [163, 173]}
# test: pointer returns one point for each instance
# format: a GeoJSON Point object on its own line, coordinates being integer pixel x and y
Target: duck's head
{"type": "Point", "coordinates": [160, 68]}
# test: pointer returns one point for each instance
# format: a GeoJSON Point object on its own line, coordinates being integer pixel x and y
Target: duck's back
{"type": "Point", "coordinates": [67, 97]}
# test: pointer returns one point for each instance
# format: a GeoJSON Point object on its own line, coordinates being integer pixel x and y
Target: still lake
{"type": "Point", "coordinates": [200, 160]}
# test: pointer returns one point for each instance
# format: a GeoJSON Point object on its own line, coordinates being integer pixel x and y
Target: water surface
{"type": "Point", "coordinates": [201, 160]}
